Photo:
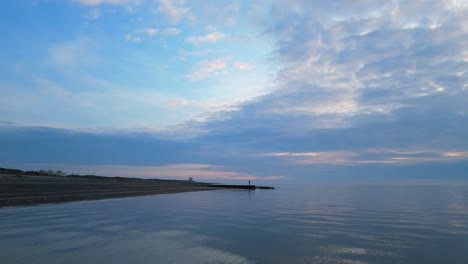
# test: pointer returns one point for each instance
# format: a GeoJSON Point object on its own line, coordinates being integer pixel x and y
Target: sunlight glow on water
{"type": "Point", "coordinates": [292, 224]}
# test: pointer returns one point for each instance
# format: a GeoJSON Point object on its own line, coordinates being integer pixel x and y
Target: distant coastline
{"type": "Point", "coordinates": [23, 188]}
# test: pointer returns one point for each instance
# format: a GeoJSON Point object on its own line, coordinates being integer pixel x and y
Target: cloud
{"type": "Point", "coordinates": [132, 38]}
{"type": "Point", "coordinates": [171, 171]}
{"type": "Point", "coordinates": [148, 31]}
{"type": "Point", "coordinates": [221, 13]}
{"type": "Point", "coordinates": [242, 66]}
{"type": "Point", "coordinates": [210, 37]}
{"type": "Point", "coordinates": [325, 157]}
{"type": "Point", "coordinates": [209, 68]}
{"type": "Point", "coordinates": [376, 87]}
{"type": "Point", "coordinates": [171, 31]}
{"type": "Point", "coordinates": [99, 2]}
{"type": "Point", "coordinates": [202, 52]}
{"type": "Point", "coordinates": [357, 55]}
{"type": "Point", "coordinates": [174, 10]}
{"type": "Point", "coordinates": [205, 105]}
{"type": "Point", "coordinates": [93, 14]}
{"type": "Point", "coordinates": [356, 65]}
{"type": "Point", "coordinates": [73, 53]}
{"type": "Point", "coordinates": [372, 156]}
{"type": "Point", "coordinates": [132, 154]}
{"type": "Point", "coordinates": [371, 87]}
{"type": "Point", "coordinates": [432, 122]}
{"type": "Point", "coordinates": [456, 154]}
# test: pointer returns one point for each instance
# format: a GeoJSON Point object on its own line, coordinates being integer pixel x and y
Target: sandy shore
{"type": "Point", "coordinates": [20, 190]}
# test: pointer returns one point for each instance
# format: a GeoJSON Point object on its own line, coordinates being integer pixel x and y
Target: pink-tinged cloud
{"type": "Point", "coordinates": [463, 154]}
{"type": "Point", "coordinates": [333, 157]}
{"type": "Point", "coordinates": [371, 156]}
{"type": "Point", "coordinates": [210, 37]}
{"type": "Point", "coordinates": [173, 171]}
{"type": "Point", "coordinates": [98, 2]}
{"type": "Point", "coordinates": [209, 68]}
{"type": "Point", "coordinates": [242, 66]}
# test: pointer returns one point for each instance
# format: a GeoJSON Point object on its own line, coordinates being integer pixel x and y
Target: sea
{"type": "Point", "coordinates": [328, 223]}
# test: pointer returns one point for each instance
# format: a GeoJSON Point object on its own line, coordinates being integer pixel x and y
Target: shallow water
{"type": "Point", "coordinates": [292, 224]}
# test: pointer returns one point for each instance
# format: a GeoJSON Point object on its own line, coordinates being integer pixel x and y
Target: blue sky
{"type": "Point", "coordinates": [285, 91]}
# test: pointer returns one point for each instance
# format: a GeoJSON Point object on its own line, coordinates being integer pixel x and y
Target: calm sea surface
{"type": "Point", "coordinates": [292, 224]}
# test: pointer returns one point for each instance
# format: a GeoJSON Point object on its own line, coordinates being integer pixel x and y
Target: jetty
{"type": "Point", "coordinates": [248, 187]}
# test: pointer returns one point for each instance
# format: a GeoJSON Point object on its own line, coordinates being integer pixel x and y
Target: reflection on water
{"type": "Point", "coordinates": [292, 224]}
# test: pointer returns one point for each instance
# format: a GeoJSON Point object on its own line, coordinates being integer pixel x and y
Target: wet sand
{"type": "Point", "coordinates": [21, 190]}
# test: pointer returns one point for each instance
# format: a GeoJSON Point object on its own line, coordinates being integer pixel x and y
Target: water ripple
{"type": "Point", "coordinates": [294, 224]}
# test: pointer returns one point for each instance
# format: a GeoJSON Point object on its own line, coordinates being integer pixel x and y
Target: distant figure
{"type": "Point", "coordinates": [249, 182]}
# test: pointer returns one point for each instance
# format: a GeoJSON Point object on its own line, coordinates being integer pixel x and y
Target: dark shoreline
{"type": "Point", "coordinates": [26, 189]}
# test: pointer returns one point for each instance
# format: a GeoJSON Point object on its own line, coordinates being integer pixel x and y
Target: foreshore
{"type": "Point", "coordinates": [22, 190]}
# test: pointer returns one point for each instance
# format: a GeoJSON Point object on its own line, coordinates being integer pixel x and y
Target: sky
{"type": "Point", "coordinates": [229, 91]}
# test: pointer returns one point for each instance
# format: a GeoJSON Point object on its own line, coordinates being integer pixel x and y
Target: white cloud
{"type": "Point", "coordinates": [210, 28]}
{"type": "Point", "coordinates": [63, 55]}
{"type": "Point", "coordinates": [209, 68]}
{"type": "Point", "coordinates": [363, 58]}
{"type": "Point", "coordinates": [148, 31]}
{"type": "Point", "coordinates": [210, 37]}
{"type": "Point", "coordinates": [131, 38]}
{"type": "Point", "coordinates": [72, 53]}
{"type": "Point", "coordinates": [222, 14]}
{"type": "Point", "coordinates": [205, 105]}
{"type": "Point", "coordinates": [93, 14]}
{"type": "Point", "coordinates": [202, 52]}
{"type": "Point", "coordinates": [173, 9]}
{"type": "Point", "coordinates": [323, 157]}
{"type": "Point", "coordinates": [171, 31]}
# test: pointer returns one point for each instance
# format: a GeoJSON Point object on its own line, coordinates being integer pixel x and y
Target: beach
{"type": "Point", "coordinates": [21, 190]}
